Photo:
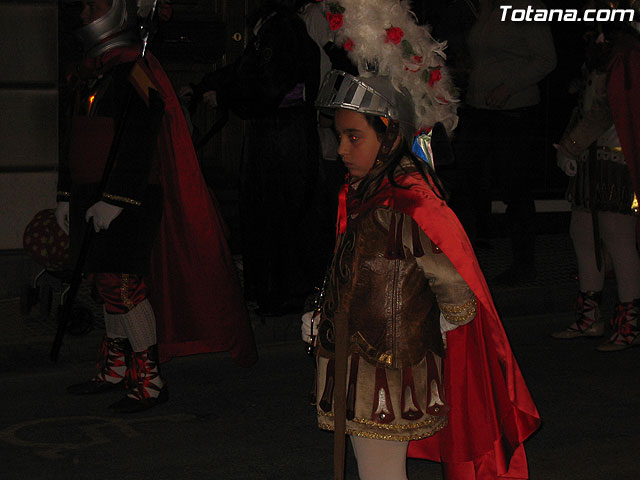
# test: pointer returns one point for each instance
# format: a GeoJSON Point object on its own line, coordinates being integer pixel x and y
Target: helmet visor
{"type": "Point", "coordinates": [342, 90]}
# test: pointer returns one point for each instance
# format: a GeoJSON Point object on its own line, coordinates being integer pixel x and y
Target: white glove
{"type": "Point", "coordinates": [62, 216]}
{"type": "Point", "coordinates": [566, 163]}
{"type": "Point", "coordinates": [445, 327]}
{"type": "Point", "coordinates": [309, 318]}
{"type": "Point", "coordinates": [103, 214]}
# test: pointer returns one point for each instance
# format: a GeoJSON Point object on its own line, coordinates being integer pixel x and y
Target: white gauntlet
{"type": "Point", "coordinates": [446, 327]}
{"type": "Point", "coordinates": [103, 214]}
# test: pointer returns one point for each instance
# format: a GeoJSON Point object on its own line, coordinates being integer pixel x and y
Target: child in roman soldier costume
{"type": "Point", "coordinates": [411, 356]}
{"type": "Point", "coordinates": [158, 257]}
{"type": "Point", "coordinates": [600, 153]}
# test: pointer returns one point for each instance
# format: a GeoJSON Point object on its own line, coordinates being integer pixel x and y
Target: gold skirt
{"type": "Point", "coordinates": [385, 403]}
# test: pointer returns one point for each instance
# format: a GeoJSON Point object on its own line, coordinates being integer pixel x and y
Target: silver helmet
{"type": "Point", "coordinates": [369, 95]}
{"type": "Point", "coordinates": [117, 28]}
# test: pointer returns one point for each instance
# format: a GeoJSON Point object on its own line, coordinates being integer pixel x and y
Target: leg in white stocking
{"type": "Point", "coordinates": [581, 229]}
{"type": "Point", "coordinates": [618, 234]}
{"type": "Point", "coordinates": [140, 326]}
{"type": "Point", "coordinates": [587, 321]}
{"type": "Point", "coordinates": [380, 459]}
{"type": "Point", "coordinates": [146, 387]}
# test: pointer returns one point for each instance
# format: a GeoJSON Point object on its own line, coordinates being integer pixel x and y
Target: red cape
{"type": "Point", "coordinates": [492, 412]}
{"type": "Point", "coordinates": [623, 91]}
{"type": "Point", "coordinates": [195, 290]}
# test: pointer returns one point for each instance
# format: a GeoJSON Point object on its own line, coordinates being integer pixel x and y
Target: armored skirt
{"type": "Point", "coordinates": [603, 180]}
{"type": "Point", "coordinates": [397, 293]}
{"type": "Point", "coordinates": [379, 409]}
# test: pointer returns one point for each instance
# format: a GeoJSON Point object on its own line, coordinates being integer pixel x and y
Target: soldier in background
{"type": "Point", "coordinates": [157, 256]}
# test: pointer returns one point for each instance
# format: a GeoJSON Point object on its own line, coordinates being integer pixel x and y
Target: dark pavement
{"type": "Point", "coordinates": [225, 422]}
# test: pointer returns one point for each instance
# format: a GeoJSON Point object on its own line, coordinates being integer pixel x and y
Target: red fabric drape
{"type": "Point", "coordinates": [195, 291]}
{"type": "Point", "coordinates": [623, 91]}
{"type": "Point", "coordinates": [492, 412]}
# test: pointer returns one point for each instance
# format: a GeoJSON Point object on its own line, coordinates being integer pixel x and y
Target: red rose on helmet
{"type": "Point", "coordinates": [434, 76]}
{"type": "Point", "coordinates": [348, 45]}
{"type": "Point", "coordinates": [335, 20]}
{"type": "Point", "coordinates": [394, 35]}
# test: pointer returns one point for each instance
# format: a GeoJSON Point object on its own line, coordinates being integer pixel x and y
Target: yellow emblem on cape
{"type": "Point", "coordinates": [140, 78]}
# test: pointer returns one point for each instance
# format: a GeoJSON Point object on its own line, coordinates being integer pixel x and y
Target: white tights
{"type": "Point", "coordinates": [380, 459]}
{"type": "Point", "coordinates": [618, 234]}
{"type": "Point", "coordinates": [138, 325]}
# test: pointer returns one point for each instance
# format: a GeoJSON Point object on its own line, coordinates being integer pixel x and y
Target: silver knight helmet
{"type": "Point", "coordinates": [116, 28]}
{"type": "Point", "coordinates": [369, 95]}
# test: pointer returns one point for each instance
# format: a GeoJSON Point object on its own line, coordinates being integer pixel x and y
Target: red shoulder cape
{"type": "Point", "coordinates": [492, 412]}
{"type": "Point", "coordinates": [195, 290]}
{"type": "Point", "coordinates": [623, 92]}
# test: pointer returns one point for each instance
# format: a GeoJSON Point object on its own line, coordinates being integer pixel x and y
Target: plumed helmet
{"type": "Point", "coordinates": [397, 58]}
{"type": "Point", "coordinates": [369, 95]}
{"type": "Point", "coordinates": [116, 28]}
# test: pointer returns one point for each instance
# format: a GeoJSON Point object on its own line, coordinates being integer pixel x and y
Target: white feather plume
{"type": "Point", "coordinates": [409, 63]}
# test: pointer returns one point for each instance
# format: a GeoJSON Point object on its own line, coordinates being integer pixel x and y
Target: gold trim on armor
{"type": "Point", "coordinates": [606, 148]}
{"type": "Point", "coordinates": [118, 198]}
{"type": "Point", "coordinates": [390, 426]}
{"type": "Point", "coordinates": [460, 314]}
{"type": "Point", "coordinates": [124, 292]}
{"type": "Point", "coordinates": [386, 436]}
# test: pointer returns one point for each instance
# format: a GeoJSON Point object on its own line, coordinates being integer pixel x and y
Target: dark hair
{"type": "Point", "coordinates": [394, 163]}
{"type": "Point", "coordinates": [377, 124]}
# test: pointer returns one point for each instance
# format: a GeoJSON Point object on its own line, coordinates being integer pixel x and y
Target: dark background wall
{"type": "Point", "coordinates": [35, 44]}
{"type": "Point", "coordinates": [201, 35]}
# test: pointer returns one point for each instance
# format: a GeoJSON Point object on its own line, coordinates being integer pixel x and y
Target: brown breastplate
{"type": "Point", "coordinates": [392, 313]}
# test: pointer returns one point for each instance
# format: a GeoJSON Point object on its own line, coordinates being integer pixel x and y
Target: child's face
{"type": "Point", "coordinates": [359, 143]}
